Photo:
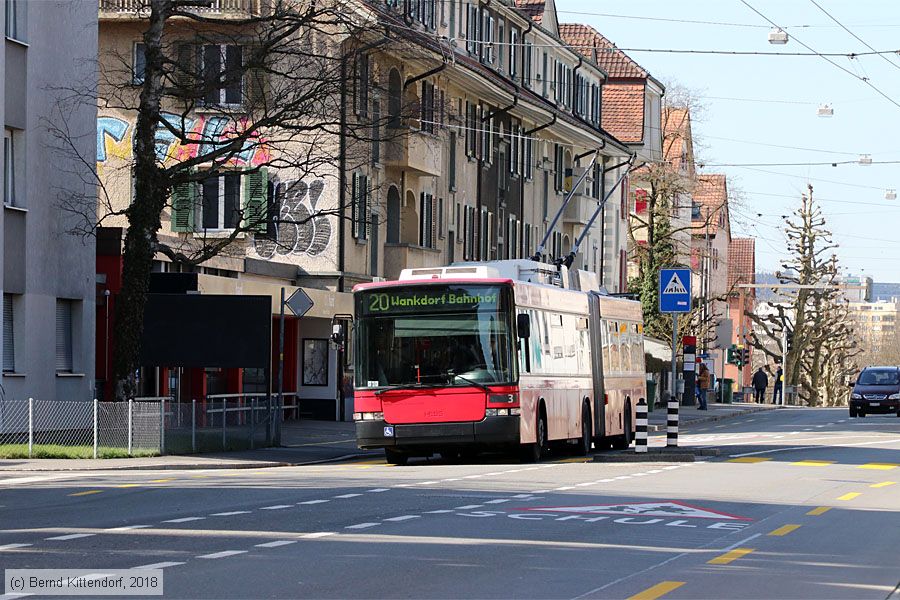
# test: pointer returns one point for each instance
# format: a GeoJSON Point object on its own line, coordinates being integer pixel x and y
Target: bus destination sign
{"type": "Point", "coordinates": [431, 299]}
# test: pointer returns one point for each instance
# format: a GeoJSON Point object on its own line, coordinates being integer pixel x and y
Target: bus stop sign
{"type": "Point", "coordinates": [675, 290]}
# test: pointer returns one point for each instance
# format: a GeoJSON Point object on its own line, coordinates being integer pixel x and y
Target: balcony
{"type": "Point", "coordinates": [415, 151]}
{"type": "Point", "coordinates": [219, 9]}
{"type": "Point", "coordinates": [580, 209]}
{"type": "Point", "coordinates": [406, 256]}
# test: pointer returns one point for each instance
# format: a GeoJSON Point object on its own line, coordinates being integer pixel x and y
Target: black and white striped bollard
{"type": "Point", "coordinates": [640, 438]}
{"type": "Point", "coordinates": [672, 421]}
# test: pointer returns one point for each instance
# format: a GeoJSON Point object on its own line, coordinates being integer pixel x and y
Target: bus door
{"type": "Point", "coordinates": [596, 327]}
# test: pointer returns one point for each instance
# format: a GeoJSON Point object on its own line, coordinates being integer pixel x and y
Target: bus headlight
{"type": "Point", "coordinates": [490, 412]}
{"type": "Point", "coordinates": [368, 416]}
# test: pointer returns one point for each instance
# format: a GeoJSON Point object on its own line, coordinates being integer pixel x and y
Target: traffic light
{"type": "Point", "coordinates": [731, 355]}
{"type": "Point", "coordinates": [788, 340]}
{"type": "Point", "coordinates": [745, 356]}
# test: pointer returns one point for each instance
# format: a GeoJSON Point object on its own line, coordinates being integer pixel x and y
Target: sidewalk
{"type": "Point", "coordinates": [689, 416]}
{"type": "Point", "coordinates": [304, 443]}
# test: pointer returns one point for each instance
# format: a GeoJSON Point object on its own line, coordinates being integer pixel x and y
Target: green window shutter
{"type": "Point", "coordinates": [183, 200]}
{"type": "Point", "coordinates": [256, 192]}
{"type": "Point", "coordinates": [354, 206]}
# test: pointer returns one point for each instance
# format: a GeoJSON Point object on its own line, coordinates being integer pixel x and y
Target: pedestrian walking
{"type": "Point", "coordinates": [760, 383]}
{"type": "Point", "coordinates": [777, 395]}
{"type": "Point", "coordinates": [703, 381]}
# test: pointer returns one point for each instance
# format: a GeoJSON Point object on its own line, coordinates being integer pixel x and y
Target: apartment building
{"type": "Point", "coordinates": [47, 274]}
{"type": "Point", "coordinates": [478, 120]}
{"type": "Point", "coordinates": [877, 323]}
{"type": "Point", "coordinates": [741, 302]}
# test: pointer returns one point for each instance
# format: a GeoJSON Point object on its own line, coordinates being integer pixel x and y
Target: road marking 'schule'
{"type": "Point", "coordinates": [749, 459]}
{"type": "Point", "coordinates": [819, 511]}
{"type": "Point", "coordinates": [883, 484]}
{"type": "Point", "coordinates": [223, 554]}
{"type": "Point", "coordinates": [730, 556]}
{"type": "Point", "coordinates": [784, 530]}
{"type": "Point", "coordinates": [879, 466]}
{"type": "Point", "coordinates": [87, 493]}
{"type": "Point", "coordinates": [812, 463]}
{"type": "Point", "coordinates": [849, 496]}
{"type": "Point", "coordinates": [657, 591]}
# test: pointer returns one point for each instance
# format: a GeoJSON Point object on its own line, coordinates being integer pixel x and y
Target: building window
{"type": "Point", "coordinates": [15, 19]}
{"type": "Point", "coordinates": [376, 132]}
{"type": "Point", "coordinates": [426, 100]}
{"type": "Point", "coordinates": [9, 167]}
{"type": "Point", "coordinates": [222, 68]}
{"type": "Point", "coordinates": [441, 218]}
{"type": "Point", "coordinates": [695, 211]}
{"type": "Point", "coordinates": [426, 221]}
{"type": "Point", "coordinates": [139, 64]}
{"type": "Point", "coordinates": [64, 335]}
{"type": "Point", "coordinates": [451, 167]}
{"type": "Point", "coordinates": [361, 88]}
{"type": "Point", "coordinates": [513, 53]}
{"type": "Point", "coordinates": [558, 168]}
{"type": "Point", "coordinates": [395, 100]}
{"type": "Point", "coordinates": [221, 205]}
{"type": "Point", "coordinates": [473, 19]}
{"type": "Point", "coordinates": [422, 11]}
{"type": "Point", "coordinates": [9, 337]}
{"type": "Point", "coordinates": [359, 201]}
{"type": "Point", "coordinates": [544, 75]}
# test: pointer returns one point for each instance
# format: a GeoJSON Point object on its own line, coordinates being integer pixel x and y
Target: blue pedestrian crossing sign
{"type": "Point", "coordinates": [675, 290]}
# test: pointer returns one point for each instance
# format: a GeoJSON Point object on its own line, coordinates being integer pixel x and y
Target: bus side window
{"type": "Point", "coordinates": [537, 335]}
{"type": "Point", "coordinates": [604, 350]}
{"type": "Point", "coordinates": [625, 338]}
{"type": "Point", "coordinates": [614, 347]}
{"type": "Point", "coordinates": [637, 349]}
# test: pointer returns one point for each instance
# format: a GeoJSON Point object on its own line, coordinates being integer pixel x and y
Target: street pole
{"type": "Point", "coordinates": [672, 406]}
{"type": "Point", "coordinates": [278, 404]}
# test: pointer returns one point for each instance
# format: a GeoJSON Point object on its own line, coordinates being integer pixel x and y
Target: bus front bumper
{"type": "Point", "coordinates": [491, 430]}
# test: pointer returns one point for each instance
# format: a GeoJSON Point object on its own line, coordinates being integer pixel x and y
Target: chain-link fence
{"type": "Point", "coordinates": [143, 426]}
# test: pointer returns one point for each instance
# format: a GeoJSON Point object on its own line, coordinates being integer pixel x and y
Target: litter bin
{"type": "Point", "coordinates": [651, 395]}
{"type": "Point", "coordinates": [727, 391]}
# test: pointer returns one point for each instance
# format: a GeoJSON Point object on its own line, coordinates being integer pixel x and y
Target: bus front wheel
{"type": "Point", "coordinates": [395, 457]}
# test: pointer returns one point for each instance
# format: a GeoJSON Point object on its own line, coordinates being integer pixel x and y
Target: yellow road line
{"type": "Point", "coordinates": [161, 480]}
{"type": "Point", "coordinates": [883, 484]}
{"type": "Point", "coordinates": [657, 591]}
{"type": "Point", "coordinates": [878, 466]}
{"type": "Point", "coordinates": [128, 485]}
{"type": "Point", "coordinates": [813, 463]}
{"type": "Point", "coordinates": [784, 530]}
{"type": "Point", "coordinates": [200, 476]}
{"type": "Point", "coordinates": [749, 459]}
{"type": "Point", "coordinates": [730, 556]}
{"type": "Point", "coordinates": [87, 493]}
{"type": "Point", "coordinates": [572, 460]}
{"type": "Point", "coordinates": [819, 511]}
{"type": "Point", "coordinates": [849, 496]}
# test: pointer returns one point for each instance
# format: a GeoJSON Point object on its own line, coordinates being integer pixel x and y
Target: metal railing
{"type": "Point", "coordinates": [142, 7]}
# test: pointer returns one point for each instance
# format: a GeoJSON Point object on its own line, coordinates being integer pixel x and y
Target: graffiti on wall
{"type": "Point", "coordinates": [114, 138]}
{"type": "Point", "coordinates": [300, 229]}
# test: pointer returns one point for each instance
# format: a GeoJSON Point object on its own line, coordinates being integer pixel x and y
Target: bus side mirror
{"type": "Point", "coordinates": [523, 326]}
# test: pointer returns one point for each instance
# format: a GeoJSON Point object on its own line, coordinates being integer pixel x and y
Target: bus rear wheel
{"type": "Point", "coordinates": [395, 457]}
{"type": "Point", "coordinates": [533, 453]}
{"type": "Point", "coordinates": [623, 441]}
{"type": "Point", "coordinates": [587, 432]}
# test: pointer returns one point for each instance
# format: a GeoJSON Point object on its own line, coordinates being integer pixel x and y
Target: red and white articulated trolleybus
{"type": "Point", "coordinates": [492, 356]}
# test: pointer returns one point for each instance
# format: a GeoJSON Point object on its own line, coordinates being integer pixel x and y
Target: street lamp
{"type": "Point", "coordinates": [778, 36]}
{"type": "Point", "coordinates": [825, 110]}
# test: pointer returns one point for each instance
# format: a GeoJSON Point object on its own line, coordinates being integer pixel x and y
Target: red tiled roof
{"type": "Point", "coordinates": [533, 8]}
{"type": "Point", "coordinates": [741, 261]}
{"type": "Point", "coordinates": [711, 193]}
{"type": "Point", "coordinates": [592, 45]}
{"type": "Point", "coordinates": [623, 111]}
{"type": "Point", "coordinates": [676, 128]}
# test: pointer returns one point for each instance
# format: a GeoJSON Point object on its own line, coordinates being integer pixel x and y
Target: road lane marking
{"type": "Point", "coordinates": [159, 565]}
{"type": "Point", "coordinates": [784, 530]}
{"type": "Point", "coordinates": [849, 496]}
{"type": "Point", "coordinates": [749, 459]}
{"type": "Point", "coordinates": [13, 546]}
{"type": "Point", "coordinates": [318, 534]}
{"type": "Point", "coordinates": [742, 542]}
{"type": "Point", "coordinates": [128, 485]}
{"type": "Point", "coordinates": [883, 484]}
{"type": "Point", "coordinates": [345, 496]}
{"type": "Point", "coordinates": [362, 525]}
{"type": "Point", "coordinates": [657, 591]}
{"type": "Point", "coordinates": [184, 519]}
{"type": "Point", "coordinates": [231, 513]}
{"type": "Point", "coordinates": [819, 511]}
{"type": "Point", "coordinates": [812, 463]}
{"type": "Point", "coordinates": [730, 556]}
{"type": "Point", "coordinates": [313, 502]}
{"type": "Point", "coordinates": [162, 480]}
{"type": "Point", "coordinates": [129, 527]}
{"type": "Point", "coordinates": [878, 466]}
{"type": "Point", "coordinates": [71, 536]}
{"type": "Point", "coordinates": [497, 501]}
{"type": "Point", "coordinates": [276, 544]}
{"type": "Point", "coordinates": [378, 490]}
{"type": "Point", "coordinates": [87, 493]}
{"type": "Point", "coordinates": [276, 507]}
{"type": "Point", "coordinates": [438, 512]}
{"type": "Point", "coordinates": [403, 518]}
{"type": "Point", "coordinates": [222, 554]}
{"type": "Point", "coordinates": [468, 507]}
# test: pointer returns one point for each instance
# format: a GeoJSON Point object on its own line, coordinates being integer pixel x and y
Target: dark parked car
{"type": "Point", "coordinates": [876, 391]}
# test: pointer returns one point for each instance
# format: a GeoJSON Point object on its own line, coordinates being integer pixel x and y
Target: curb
{"type": "Point", "coordinates": [714, 418]}
{"type": "Point", "coordinates": [189, 466]}
{"type": "Point", "coordinates": [657, 455]}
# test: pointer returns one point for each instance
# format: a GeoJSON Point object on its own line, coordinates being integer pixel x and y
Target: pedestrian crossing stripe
{"type": "Point", "coordinates": [675, 286]}
{"type": "Point", "coordinates": [644, 509]}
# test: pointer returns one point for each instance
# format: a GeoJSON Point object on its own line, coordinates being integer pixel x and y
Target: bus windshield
{"type": "Point", "coordinates": [434, 335]}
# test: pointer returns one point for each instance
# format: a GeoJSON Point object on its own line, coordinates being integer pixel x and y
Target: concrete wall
{"type": "Point", "coordinates": [42, 262]}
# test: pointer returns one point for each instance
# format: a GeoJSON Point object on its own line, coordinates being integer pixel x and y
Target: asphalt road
{"type": "Point", "coordinates": [801, 504]}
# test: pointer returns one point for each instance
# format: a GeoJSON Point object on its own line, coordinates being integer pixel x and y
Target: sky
{"type": "Point", "coordinates": [750, 105]}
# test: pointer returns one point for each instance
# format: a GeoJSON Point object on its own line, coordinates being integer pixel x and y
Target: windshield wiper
{"type": "Point", "coordinates": [473, 382]}
{"type": "Point", "coordinates": [406, 386]}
